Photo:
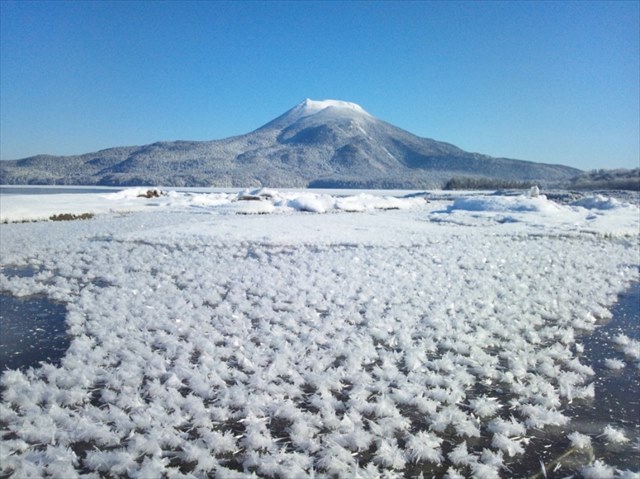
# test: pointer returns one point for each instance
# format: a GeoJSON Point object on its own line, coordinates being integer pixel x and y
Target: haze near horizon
{"type": "Point", "coordinates": [548, 82]}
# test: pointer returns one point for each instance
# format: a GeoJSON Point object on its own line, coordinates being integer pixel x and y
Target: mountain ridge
{"type": "Point", "coordinates": [329, 143]}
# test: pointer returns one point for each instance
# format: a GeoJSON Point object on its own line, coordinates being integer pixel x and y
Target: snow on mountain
{"type": "Point", "coordinates": [310, 107]}
{"type": "Point", "coordinates": [327, 143]}
{"type": "Point", "coordinates": [329, 110]}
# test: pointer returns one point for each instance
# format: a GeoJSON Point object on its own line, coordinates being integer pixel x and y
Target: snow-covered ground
{"type": "Point", "coordinates": [299, 334]}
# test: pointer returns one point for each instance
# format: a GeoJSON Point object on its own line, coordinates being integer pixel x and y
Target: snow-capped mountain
{"type": "Point", "coordinates": [326, 143]}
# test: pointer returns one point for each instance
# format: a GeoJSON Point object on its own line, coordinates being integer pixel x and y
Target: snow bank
{"type": "Point", "coordinates": [14, 208]}
{"type": "Point", "coordinates": [598, 215]}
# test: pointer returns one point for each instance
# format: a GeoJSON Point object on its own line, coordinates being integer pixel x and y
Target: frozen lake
{"type": "Point", "coordinates": [299, 334]}
{"type": "Point", "coordinates": [53, 190]}
{"type": "Point", "coordinates": [33, 331]}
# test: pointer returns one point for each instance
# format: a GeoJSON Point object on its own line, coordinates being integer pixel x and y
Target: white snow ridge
{"type": "Point", "coordinates": [265, 333]}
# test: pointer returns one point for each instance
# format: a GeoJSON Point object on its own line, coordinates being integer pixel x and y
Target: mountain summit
{"type": "Point", "coordinates": [310, 107]}
{"type": "Point", "coordinates": [327, 143]}
{"type": "Point", "coordinates": [327, 108]}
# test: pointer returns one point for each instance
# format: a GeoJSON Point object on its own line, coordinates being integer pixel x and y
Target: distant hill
{"type": "Point", "coordinates": [315, 144]}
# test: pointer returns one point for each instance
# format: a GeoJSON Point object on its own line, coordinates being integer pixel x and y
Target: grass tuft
{"type": "Point", "coordinates": [71, 217]}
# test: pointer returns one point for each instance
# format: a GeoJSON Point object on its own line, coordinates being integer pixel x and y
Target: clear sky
{"type": "Point", "coordinates": [554, 82]}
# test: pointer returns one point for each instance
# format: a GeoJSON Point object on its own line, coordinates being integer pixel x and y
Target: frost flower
{"type": "Point", "coordinates": [485, 406]}
{"type": "Point", "coordinates": [597, 470]}
{"type": "Point", "coordinates": [460, 456]}
{"type": "Point", "coordinates": [632, 349]}
{"type": "Point", "coordinates": [621, 339]}
{"type": "Point", "coordinates": [614, 364]}
{"type": "Point", "coordinates": [508, 445]}
{"type": "Point", "coordinates": [579, 441]}
{"type": "Point", "coordinates": [614, 435]}
{"type": "Point", "coordinates": [424, 446]}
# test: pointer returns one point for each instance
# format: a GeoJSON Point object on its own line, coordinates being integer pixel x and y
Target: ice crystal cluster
{"type": "Point", "coordinates": [431, 338]}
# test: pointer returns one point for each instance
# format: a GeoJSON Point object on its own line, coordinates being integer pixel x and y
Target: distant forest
{"type": "Point", "coordinates": [620, 179]}
{"type": "Point", "coordinates": [484, 183]}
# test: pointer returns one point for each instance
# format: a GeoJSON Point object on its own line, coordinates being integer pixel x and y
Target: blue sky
{"type": "Point", "coordinates": [554, 82]}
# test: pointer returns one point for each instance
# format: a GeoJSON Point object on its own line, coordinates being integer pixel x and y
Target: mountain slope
{"type": "Point", "coordinates": [317, 143]}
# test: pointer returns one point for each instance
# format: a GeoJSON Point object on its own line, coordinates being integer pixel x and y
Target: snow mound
{"type": "Point", "coordinates": [305, 201]}
{"type": "Point", "coordinates": [311, 203]}
{"type": "Point", "coordinates": [131, 193]}
{"type": "Point", "coordinates": [505, 204]}
{"type": "Point", "coordinates": [599, 202]}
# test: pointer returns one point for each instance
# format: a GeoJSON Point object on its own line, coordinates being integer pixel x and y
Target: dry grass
{"type": "Point", "coordinates": [71, 217]}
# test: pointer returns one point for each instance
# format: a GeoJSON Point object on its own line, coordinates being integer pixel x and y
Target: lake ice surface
{"type": "Point", "coordinates": [33, 330]}
{"type": "Point", "coordinates": [299, 334]}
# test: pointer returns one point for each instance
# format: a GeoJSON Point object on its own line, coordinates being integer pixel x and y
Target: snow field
{"type": "Point", "coordinates": [308, 345]}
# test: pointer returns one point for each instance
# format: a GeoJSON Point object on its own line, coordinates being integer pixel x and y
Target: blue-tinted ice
{"type": "Point", "coordinates": [32, 329]}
